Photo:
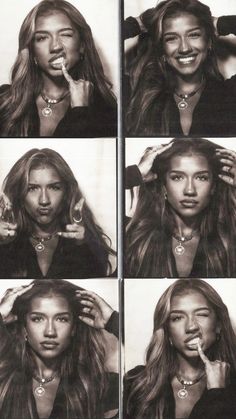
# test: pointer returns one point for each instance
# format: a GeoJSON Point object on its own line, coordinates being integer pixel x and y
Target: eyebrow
{"type": "Point", "coordinates": [59, 182]}
{"type": "Point", "coordinates": [57, 314]}
{"type": "Point", "coordinates": [196, 310]}
{"type": "Point", "coordinates": [189, 30]}
{"type": "Point", "coordinates": [60, 30]}
{"type": "Point", "coordinates": [181, 171]}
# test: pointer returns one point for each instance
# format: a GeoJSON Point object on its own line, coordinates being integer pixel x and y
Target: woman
{"type": "Point", "coordinates": [184, 221]}
{"type": "Point", "coordinates": [58, 87]}
{"type": "Point", "coordinates": [46, 228]}
{"type": "Point", "coordinates": [52, 362]}
{"type": "Point", "coordinates": [190, 370]}
{"type": "Point", "coordinates": [176, 85]}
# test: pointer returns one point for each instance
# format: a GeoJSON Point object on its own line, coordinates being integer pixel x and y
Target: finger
{"type": "Point", "coordinates": [228, 162]}
{"type": "Point", "coordinates": [87, 320]}
{"type": "Point", "coordinates": [66, 74]}
{"type": "Point", "coordinates": [10, 233]}
{"type": "Point", "coordinates": [226, 169]}
{"type": "Point", "coordinates": [226, 152]}
{"type": "Point", "coordinates": [86, 303]}
{"type": "Point", "coordinates": [70, 235]}
{"type": "Point", "coordinates": [79, 205]}
{"type": "Point", "coordinates": [203, 357]}
{"type": "Point", "coordinates": [73, 228]}
{"type": "Point", "coordinates": [227, 179]}
{"type": "Point", "coordinates": [89, 311]}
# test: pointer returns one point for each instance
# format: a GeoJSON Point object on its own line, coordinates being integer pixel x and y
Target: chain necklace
{"type": "Point", "coordinates": [183, 392]}
{"type": "Point", "coordinates": [40, 390]}
{"type": "Point", "coordinates": [47, 111]}
{"type": "Point", "coordinates": [183, 104]}
{"type": "Point", "coordinates": [180, 249]}
{"type": "Point", "coordinates": [39, 246]}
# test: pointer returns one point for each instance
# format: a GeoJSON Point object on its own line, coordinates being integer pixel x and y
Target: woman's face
{"type": "Point", "coordinates": [185, 44]}
{"type": "Point", "coordinates": [191, 318]}
{"type": "Point", "coordinates": [49, 326]}
{"type": "Point", "coordinates": [44, 200]}
{"type": "Point", "coordinates": [189, 184]}
{"type": "Point", "coordinates": [55, 40]}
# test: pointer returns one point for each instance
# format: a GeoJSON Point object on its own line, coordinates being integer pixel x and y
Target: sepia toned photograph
{"type": "Point", "coordinates": [180, 208]}
{"type": "Point", "coordinates": [59, 349]}
{"type": "Point", "coordinates": [59, 76]}
{"type": "Point", "coordinates": [179, 75]}
{"type": "Point", "coordinates": [58, 209]}
{"type": "Point", "coordinates": [180, 349]}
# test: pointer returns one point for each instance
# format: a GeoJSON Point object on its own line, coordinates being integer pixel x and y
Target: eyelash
{"type": "Point", "coordinates": [37, 319]}
{"type": "Point", "coordinates": [191, 35]}
{"type": "Point", "coordinates": [202, 178]}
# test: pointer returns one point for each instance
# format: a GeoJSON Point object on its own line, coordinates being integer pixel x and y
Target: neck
{"type": "Point", "coordinates": [188, 84]}
{"type": "Point", "coordinates": [44, 231]}
{"type": "Point", "coordinates": [185, 226]}
{"type": "Point", "coordinates": [189, 368]}
{"type": "Point", "coordinates": [54, 87]}
{"type": "Point", "coordinates": [45, 368]}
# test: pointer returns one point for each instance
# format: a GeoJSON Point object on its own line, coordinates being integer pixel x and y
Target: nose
{"type": "Point", "coordinates": [55, 44]}
{"type": "Point", "coordinates": [192, 325]}
{"type": "Point", "coordinates": [44, 198]}
{"type": "Point", "coordinates": [50, 329]}
{"type": "Point", "coordinates": [190, 189]}
{"type": "Point", "coordinates": [184, 46]}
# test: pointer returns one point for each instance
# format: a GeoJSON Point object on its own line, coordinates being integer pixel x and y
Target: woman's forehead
{"type": "Point", "coordinates": [49, 303]}
{"type": "Point", "coordinates": [189, 159]}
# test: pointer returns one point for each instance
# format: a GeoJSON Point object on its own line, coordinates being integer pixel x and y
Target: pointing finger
{"type": "Point", "coordinates": [66, 74]}
{"type": "Point", "coordinates": [203, 357]}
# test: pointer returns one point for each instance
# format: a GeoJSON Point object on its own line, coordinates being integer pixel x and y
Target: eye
{"type": "Point", "coordinates": [32, 188]}
{"type": "Point", "coordinates": [56, 187]}
{"type": "Point", "coordinates": [67, 34]}
{"type": "Point", "coordinates": [203, 314]}
{"type": "Point", "coordinates": [36, 319]}
{"type": "Point", "coordinates": [194, 34]}
{"type": "Point", "coordinates": [176, 177]}
{"type": "Point", "coordinates": [202, 178]}
{"type": "Point", "coordinates": [63, 319]}
{"type": "Point", "coordinates": [176, 318]}
{"type": "Point", "coordinates": [40, 38]}
{"type": "Point", "coordinates": [170, 38]}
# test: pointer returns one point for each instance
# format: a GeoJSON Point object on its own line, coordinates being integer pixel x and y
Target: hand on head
{"type": "Point", "coordinates": [146, 162]}
{"type": "Point", "coordinates": [95, 312]}
{"type": "Point", "coordinates": [217, 372]}
{"type": "Point", "coordinates": [228, 160]}
{"type": "Point", "coordinates": [80, 90]}
{"type": "Point", "coordinates": [8, 300]}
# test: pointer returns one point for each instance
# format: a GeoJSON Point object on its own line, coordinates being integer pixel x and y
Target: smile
{"type": "Point", "coordinates": [186, 60]}
{"type": "Point", "coordinates": [192, 341]}
{"type": "Point", "coordinates": [57, 62]}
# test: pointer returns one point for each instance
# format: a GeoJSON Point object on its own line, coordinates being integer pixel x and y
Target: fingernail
{"type": "Point", "coordinates": [59, 233]}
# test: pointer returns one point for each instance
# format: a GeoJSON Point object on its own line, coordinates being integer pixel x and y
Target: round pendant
{"type": "Point", "coordinates": [182, 394]}
{"type": "Point", "coordinates": [47, 111]}
{"type": "Point", "coordinates": [39, 247]}
{"type": "Point", "coordinates": [182, 104]}
{"type": "Point", "coordinates": [39, 391]}
{"type": "Point", "coordinates": [179, 250]}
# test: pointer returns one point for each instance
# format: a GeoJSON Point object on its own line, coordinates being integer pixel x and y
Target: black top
{"type": "Point", "coordinates": [95, 120]}
{"type": "Point", "coordinates": [18, 259]}
{"type": "Point", "coordinates": [216, 403]}
{"type": "Point", "coordinates": [215, 112]}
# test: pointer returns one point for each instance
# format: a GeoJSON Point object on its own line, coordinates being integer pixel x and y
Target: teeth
{"type": "Point", "coordinates": [59, 60]}
{"type": "Point", "coordinates": [187, 60]}
{"type": "Point", "coordinates": [194, 341]}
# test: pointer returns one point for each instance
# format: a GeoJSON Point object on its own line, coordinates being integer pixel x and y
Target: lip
{"type": "Point", "coordinates": [186, 60]}
{"type": "Point", "coordinates": [44, 211]}
{"type": "Point", "coordinates": [189, 203]}
{"type": "Point", "coordinates": [56, 61]}
{"type": "Point", "coordinates": [49, 344]}
{"type": "Point", "coordinates": [192, 337]}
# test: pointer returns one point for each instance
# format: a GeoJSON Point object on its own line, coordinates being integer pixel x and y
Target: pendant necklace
{"type": "Point", "coordinates": [39, 246]}
{"type": "Point", "coordinates": [40, 390]}
{"type": "Point", "coordinates": [180, 249]}
{"type": "Point", "coordinates": [47, 111]}
{"type": "Point", "coordinates": [183, 104]}
{"type": "Point", "coordinates": [183, 392]}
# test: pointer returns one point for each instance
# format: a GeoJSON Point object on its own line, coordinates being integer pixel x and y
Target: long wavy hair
{"type": "Point", "coordinates": [152, 79]}
{"type": "Point", "coordinates": [148, 389]}
{"type": "Point", "coordinates": [15, 186]}
{"type": "Point", "coordinates": [83, 377]}
{"type": "Point", "coordinates": [26, 80]}
{"type": "Point", "coordinates": [149, 232]}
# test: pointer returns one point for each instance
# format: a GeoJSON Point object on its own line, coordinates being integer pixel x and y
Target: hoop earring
{"type": "Point", "coordinates": [171, 343]}
{"type": "Point", "coordinates": [35, 62]}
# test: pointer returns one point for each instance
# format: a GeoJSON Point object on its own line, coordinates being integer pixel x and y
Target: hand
{"type": "Point", "coordinates": [96, 307]}
{"type": "Point", "coordinates": [228, 160]}
{"type": "Point", "coordinates": [7, 226]}
{"type": "Point", "coordinates": [217, 372]}
{"type": "Point", "coordinates": [75, 230]}
{"type": "Point", "coordinates": [147, 160]}
{"type": "Point", "coordinates": [80, 90]}
{"type": "Point", "coordinates": [215, 20]}
{"type": "Point", "coordinates": [8, 300]}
